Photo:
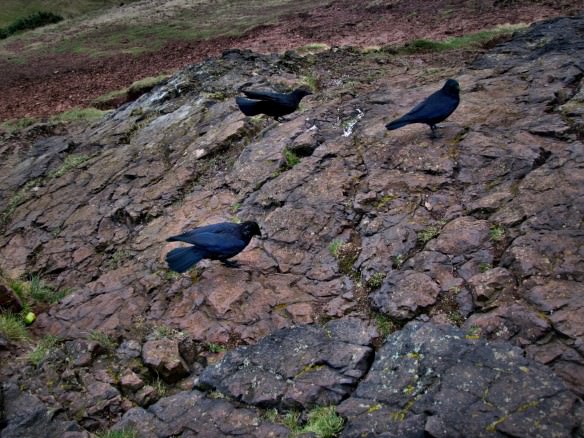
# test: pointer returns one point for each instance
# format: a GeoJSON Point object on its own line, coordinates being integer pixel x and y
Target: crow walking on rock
{"type": "Point", "coordinates": [436, 108]}
{"type": "Point", "coordinates": [213, 242]}
{"type": "Point", "coordinates": [275, 105]}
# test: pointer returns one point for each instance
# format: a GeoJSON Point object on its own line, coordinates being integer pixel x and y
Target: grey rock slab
{"type": "Point", "coordinates": [432, 378]}
{"type": "Point", "coordinates": [296, 367]}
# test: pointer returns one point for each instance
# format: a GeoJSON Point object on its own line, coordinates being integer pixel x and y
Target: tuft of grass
{"type": "Point", "coordinates": [215, 348]}
{"type": "Point", "coordinates": [14, 125]}
{"type": "Point", "coordinates": [473, 333]}
{"type": "Point", "coordinates": [334, 247]}
{"type": "Point", "coordinates": [428, 234]}
{"type": "Point", "coordinates": [497, 233]}
{"type": "Point", "coordinates": [72, 161]}
{"type": "Point", "coordinates": [39, 291]}
{"type": "Point", "coordinates": [107, 342]}
{"type": "Point", "coordinates": [42, 350]}
{"type": "Point", "coordinates": [290, 159]}
{"type": "Point", "coordinates": [324, 422]}
{"type": "Point", "coordinates": [470, 41]}
{"type": "Point", "coordinates": [146, 84]}
{"type": "Point", "coordinates": [124, 433]}
{"type": "Point", "coordinates": [12, 328]}
{"type": "Point", "coordinates": [384, 201]}
{"type": "Point", "coordinates": [375, 281]}
{"type": "Point", "coordinates": [235, 207]}
{"type": "Point", "coordinates": [312, 48]}
{"type": "Point", "coordinates": [384, 324]}
{"type": "Point", "coordinates": [166, 332]}
{"type": "Point", "coordinates": [79, 115]}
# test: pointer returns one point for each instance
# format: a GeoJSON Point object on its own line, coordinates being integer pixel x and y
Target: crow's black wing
{"type": "Point", "coordinates": [267, 96]}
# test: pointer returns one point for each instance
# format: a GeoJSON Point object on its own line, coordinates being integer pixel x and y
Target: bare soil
{"type": "Point", "coordinates": [46, 85]}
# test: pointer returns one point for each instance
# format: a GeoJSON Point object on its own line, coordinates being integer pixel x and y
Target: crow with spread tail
{"type": "Point", "coordinates": [274, 105]}
{"type": "Point", "coordinates": [436, 108]}
{"type": "Point", "coordinates": [214, 242]}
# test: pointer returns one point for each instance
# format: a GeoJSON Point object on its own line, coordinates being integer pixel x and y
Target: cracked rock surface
{"type": "Point", "coordinates": [480, 228]}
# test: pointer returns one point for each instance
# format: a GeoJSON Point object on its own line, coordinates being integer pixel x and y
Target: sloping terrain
{"type": "Point", "coordinates": [469, 246]}
{"type": "Point", "coordinates": [67, 65]}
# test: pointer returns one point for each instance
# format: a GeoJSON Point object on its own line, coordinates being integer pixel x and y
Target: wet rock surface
{"type": "Point", "coordinates": [480, 228]}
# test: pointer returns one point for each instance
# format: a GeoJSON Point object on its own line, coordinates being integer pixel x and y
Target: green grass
{"type": "Point", "coordinates": [334, 247]}
{"type": "Point", "coordinates": [473, 40]}
{"type": "Point", "coordinates": [107, 342]}
{"type": "Point", "coordinates": [290, 159]}
{"type": "Point", "coordinates": [375, 281]}
{"type": "Point", "coordinates": [323, 421]}
{"type": "Point", "coordinates": [124, 433]}
{"type": "Point", "coordinates": [32, 21]}
{"type": "Point", "coordinates": [13, 10]}
{"type": "Point", "coordinates": [497, 233]}
{"type": "Point", "coordinates": [12, 328]}
{"type": "Point", "coordinates": [215, 348]}
{"type": "Point", "coordinates": [79, 115]}
{"type": "Point", "coordinates": [13, 125]}
{"type": "Point", "coordinates": [384, 324]}
{"type": "Point", "coordinates": [42, 350]}
{"type": "Point", "coordinates": [40, 291]}
{"type": "Point", "coordinates": [36, 290]}
{"type": "Point", "coordinates": [428, 234]}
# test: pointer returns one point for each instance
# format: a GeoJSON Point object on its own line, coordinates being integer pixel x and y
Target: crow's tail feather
{"type": "Point", "coordinates": [397, 124]}
{"type": "Point", "coordinates": [181, 259]}
{"type": "Point", "coordinates": [247, 106]}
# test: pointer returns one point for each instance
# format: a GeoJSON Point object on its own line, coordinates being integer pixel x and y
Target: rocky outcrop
{"type": "Point", "coordinates": [480, 228]}
{"type": "Point", "coordinates": [434, 380]}
{"type": "Point", "coordinates": [301, 367]}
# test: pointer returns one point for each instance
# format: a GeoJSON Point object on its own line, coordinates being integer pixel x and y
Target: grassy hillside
{"type": "Point", "coordinates": [12, 10]}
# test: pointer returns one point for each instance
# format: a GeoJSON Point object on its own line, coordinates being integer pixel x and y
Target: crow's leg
{"type": "Point", "coordinates": [434, 133]}
{"type": "Point", "coordinates": [230, 263]}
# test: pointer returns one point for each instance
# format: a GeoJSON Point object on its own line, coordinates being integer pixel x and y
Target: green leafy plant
{"type": "Point", "coordinates": [385, 326]}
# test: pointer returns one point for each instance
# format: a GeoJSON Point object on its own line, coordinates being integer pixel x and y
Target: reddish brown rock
{"type": "Point", "coordinates": [163, 357]}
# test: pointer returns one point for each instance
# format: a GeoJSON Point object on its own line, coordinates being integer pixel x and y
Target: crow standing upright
{"type": "Point", "coordinates": [434, 109]}
{"type": "Point", "coordinates": [214, 242]}
{"type": "Point", "coordinates": [275, 105]}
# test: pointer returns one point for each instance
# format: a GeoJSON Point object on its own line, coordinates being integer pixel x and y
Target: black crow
{"type": "Point", "coordinates": [436, 108]}
{"type": "Point", "coordinates": [213, 242]}
{"type": "Point", "coordinates": [275, 105]}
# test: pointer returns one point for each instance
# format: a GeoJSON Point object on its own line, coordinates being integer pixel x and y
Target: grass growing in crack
{"type": "Point", "coordinates": [124, 433]}
{"type": "Point", "coordinates": [497, 233]}
{"type": "Point", "coordinates": [384, 201]}
{"type": "Point", "coordinates": [346, 255]}
{"type": "Point", "coordinates": [385, 325]}
{"type": "Point", "coordinates": [72, 161]}
{"type": "Point", "coordinates": [19, 198]}
{"type": "Point", "coordinates": [484, 267]}
{"type": "Point", "coordinates": [215, 348]}
{"type": "Point", "coordinates": [290, 159]}
{"type": "Point", "coordinates": [36, 290]}
{"type": "Point", "coordinates": [41, 292]}
{"type": "Point", "coordinates": [375, 281]}
{"type": "Point", "coordinates": [12, 328]}
{"type": "Point", "coordinates": [107, 342]}
{"type": "Point", "coordinates": [165, 332]}
{"type": "Point", "coordinates": [397, 261]}
{"type": "Point", "coordinates": [473, 333]}
{"type": "Point", "coordinates": [42, 350]}
{"type": "Point", "coordinates": [324, 422]}
{"type": "Point", "coordinates": [428, 234]}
